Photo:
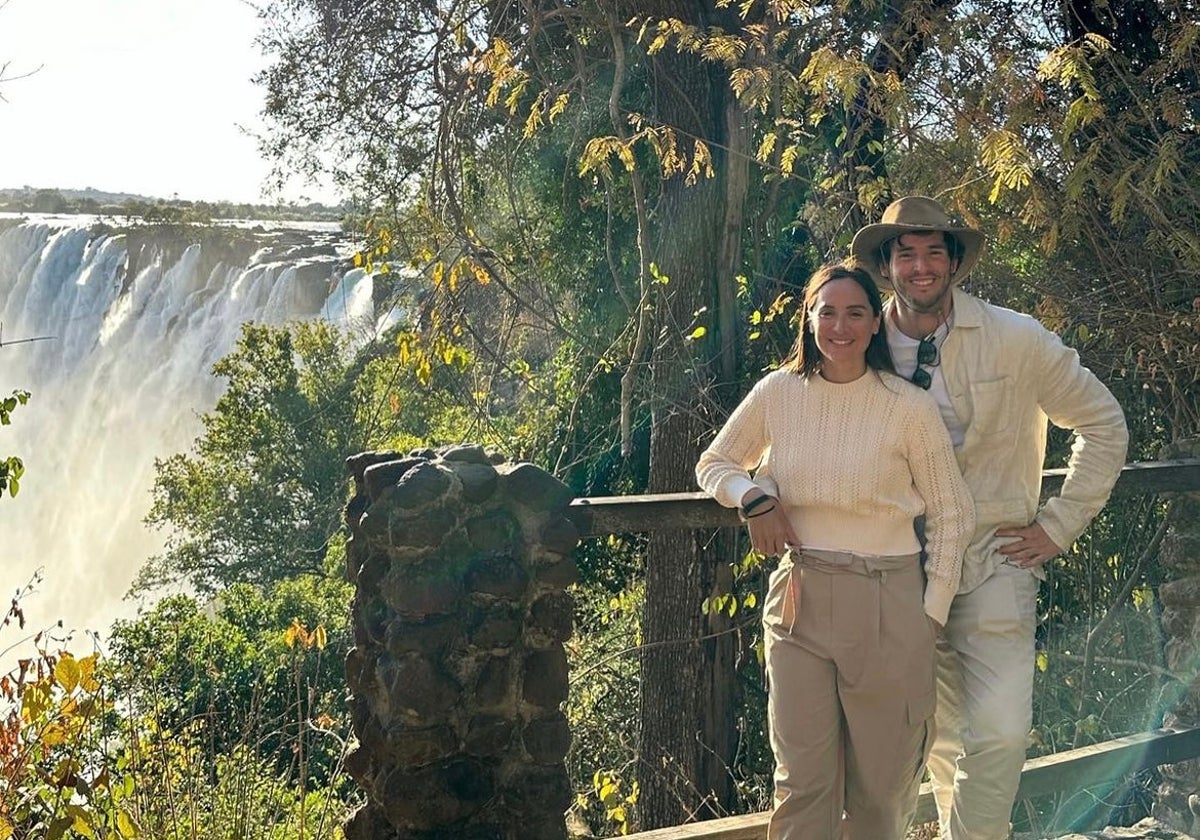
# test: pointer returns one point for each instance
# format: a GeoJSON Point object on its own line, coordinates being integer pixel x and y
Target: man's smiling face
{"type": "Point", "coordinates": [919, 267]}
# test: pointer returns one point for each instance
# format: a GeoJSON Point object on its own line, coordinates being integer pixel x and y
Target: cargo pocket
{"type": "Point", "coordinates": [920, 719]}
{"type": "Point", "coordinates": [777, 594]}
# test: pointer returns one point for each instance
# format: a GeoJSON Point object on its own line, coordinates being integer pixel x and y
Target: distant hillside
{"type": "Point", "coordinates": [98, 202]}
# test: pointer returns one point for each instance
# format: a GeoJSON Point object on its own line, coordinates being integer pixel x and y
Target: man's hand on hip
{"type": "Point", "coordinates": [1031, 548]}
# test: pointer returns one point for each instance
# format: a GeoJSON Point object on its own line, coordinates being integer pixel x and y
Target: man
{"type": "Point", "coordinates": [997, 375]}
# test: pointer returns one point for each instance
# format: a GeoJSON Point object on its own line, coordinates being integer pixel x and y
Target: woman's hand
{"type": "Point", "coordinates": [770, 528]}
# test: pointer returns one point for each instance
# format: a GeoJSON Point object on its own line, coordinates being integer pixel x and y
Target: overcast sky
{"type": "Point", "coordinates": [139, 96]}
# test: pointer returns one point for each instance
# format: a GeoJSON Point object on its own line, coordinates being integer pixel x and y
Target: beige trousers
{"type": "Point", "coordinates": [985, 705]}
{"type": "Point", "coordinates": [849, 658]}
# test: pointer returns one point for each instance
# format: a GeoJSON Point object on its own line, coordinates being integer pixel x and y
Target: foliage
{"type": "Point", "coordinates": [559, 176]}
{"type": "Point", "coordinates": [11, 467]}
{"type": "Point", "coordinates": [602, 709]}
{"type": "Point", "coordinates": [246, 667]}
{"type": "Point", "coordinates": [260, 497]}
{"type": "Point", "coordinates": [174, 210]}
{"type": "Point", "coordinates": [46, 738]}
{"type": "Point", "coordinates": [79, 758]}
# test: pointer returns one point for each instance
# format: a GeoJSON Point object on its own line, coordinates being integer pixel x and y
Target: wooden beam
{"type": "Point", "coordinates": [1141, 477]}
{"type": "Point", "coordinates": [1070, 770]}
{"type": "Point", "coordinates": [1073, 770]}
{"type": "Point", "coordinates": [603, 515]}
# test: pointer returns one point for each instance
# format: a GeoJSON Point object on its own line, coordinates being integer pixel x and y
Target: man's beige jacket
{"type": "Point", "coordinates": [1006, 374]}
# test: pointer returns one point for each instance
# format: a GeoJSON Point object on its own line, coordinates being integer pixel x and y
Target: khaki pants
{"type": "Point", "coordinates": [849, 656]}
{"type": "Point", "coordinates": [985, 705]}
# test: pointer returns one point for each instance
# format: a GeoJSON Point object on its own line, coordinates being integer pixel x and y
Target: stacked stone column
{"type": "Point", "coordinates": [1178, 801]}
{"type": "Point", "coordinates": [458, 671]}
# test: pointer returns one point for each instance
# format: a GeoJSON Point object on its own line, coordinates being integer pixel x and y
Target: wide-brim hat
{"type": "Point", "coordinates": [914, 214]}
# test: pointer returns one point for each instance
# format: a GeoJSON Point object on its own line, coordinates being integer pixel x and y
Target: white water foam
{"type": "Point", "coordinates": [123, 380]}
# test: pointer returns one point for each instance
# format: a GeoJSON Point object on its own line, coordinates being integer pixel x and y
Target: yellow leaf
{"type": "Point", "coordinates": [532, 122]}
{"type": "Point", "coordinates": [766, 147]}
{"type": "Point", "coordinates": [53, 735]}
{"type": "Point", "coordinates": [481, 275]}
{"type": "Point", "coordinates": [81, 826]}
{"type": "Point", "coordinates": [560, 105]}
{"type": "Point", "coordinates": [358, 260]}
{"type": "Point", "coordinates": [626, 156]}
{"type": "Point", "coordinates": [788, 160]}
{"type": "Point", "coordinates": [292, 634]}
{"type": "Point", "coordinates": [1043, 661]}
{"type": "Point", "coordinates": [698, 333]}
{"type": "Point", "coordinates": [321, 637]}
{"type": "Point", "coordinates": [67, 673]}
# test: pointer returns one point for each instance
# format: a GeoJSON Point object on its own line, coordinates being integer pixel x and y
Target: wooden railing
{"type": "Point", "coordinates": [599, 516]}
{"type": "Point", "coordinates": [1066, 771]}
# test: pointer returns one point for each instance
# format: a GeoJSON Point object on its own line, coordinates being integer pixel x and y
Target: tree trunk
{"type": "Point", "coordinates": [688, 710]}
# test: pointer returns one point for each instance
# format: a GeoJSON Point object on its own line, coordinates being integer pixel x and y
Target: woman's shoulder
{"type": "Point", "coordinates": [780, 379]}
{"type": "Point", "coordinates": [900, 386]}
{"type": "Point", "coordinates": [907, 393]}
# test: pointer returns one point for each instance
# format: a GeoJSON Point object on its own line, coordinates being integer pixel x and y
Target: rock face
{"type": "Point", "coordinates": [1178, 801]}
{"type": "Point", "coordinates": [1147, 829]}
{"type": "Point", "coordinates": [458, 672]}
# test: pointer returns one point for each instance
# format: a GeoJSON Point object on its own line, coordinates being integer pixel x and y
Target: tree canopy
{"type": "Point", "coordinates": [260, 496]}
{"type": "Point", "coordinates": [603, 211]}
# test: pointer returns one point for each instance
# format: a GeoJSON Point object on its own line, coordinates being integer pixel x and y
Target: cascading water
{"type": "Point", "coordinates": [134, 321]}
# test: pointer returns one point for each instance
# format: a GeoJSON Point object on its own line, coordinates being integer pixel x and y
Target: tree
{"type": "Point", "coordinates": [240, 670]}
{"type": "Point", "coordinates": [260, 497]}
{"type": "Point", "coordinates": [675, 112]}
{"type": "Point", "coordinates": [702, 131]}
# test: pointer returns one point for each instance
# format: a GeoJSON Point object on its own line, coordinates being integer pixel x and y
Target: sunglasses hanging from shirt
{"type": "Point", "coordinates": [927, 356]}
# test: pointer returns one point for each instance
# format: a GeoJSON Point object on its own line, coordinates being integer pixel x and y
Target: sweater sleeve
{"type": "Point", "coordinates": [949, 508]}
{"type": "Point", "coordinates": [723, 470]}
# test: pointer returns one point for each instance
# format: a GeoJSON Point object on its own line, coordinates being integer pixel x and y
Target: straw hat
{"type": "Point", "coordinates": [914, 214]}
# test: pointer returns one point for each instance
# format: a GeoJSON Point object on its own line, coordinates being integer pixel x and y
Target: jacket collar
{"type": "Point", "coordinates": [968, 309]}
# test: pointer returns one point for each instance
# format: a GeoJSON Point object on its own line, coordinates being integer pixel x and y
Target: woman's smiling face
{"type": "Point", "coordinates": [842, 324]}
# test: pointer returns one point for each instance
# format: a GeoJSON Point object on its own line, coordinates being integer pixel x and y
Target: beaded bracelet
{"type": "Point", "coordinates": [755, 502]}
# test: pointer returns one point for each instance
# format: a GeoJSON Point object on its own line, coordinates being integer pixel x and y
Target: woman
{"type": "Point", "coordinates": [846, 454]}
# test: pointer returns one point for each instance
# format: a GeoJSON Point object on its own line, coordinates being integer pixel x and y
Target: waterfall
{"type": "Point", "coordinates": [133, 321]}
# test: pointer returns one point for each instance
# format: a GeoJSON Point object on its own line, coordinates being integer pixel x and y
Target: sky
{"type": "Point", "coordinates": [152, 97]}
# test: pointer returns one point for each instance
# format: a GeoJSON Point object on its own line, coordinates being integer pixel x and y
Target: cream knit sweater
{"type": "Point", "coordinates": [853, 464]}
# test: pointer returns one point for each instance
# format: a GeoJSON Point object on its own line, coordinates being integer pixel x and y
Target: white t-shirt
{"type": "Point", "coordinates": [904, 357]}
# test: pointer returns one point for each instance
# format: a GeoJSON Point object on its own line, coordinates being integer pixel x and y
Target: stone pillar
{"type": "Point", "coordinates": [458, 671]}
{"type": "Point", "coordinates": [1178, 801]}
